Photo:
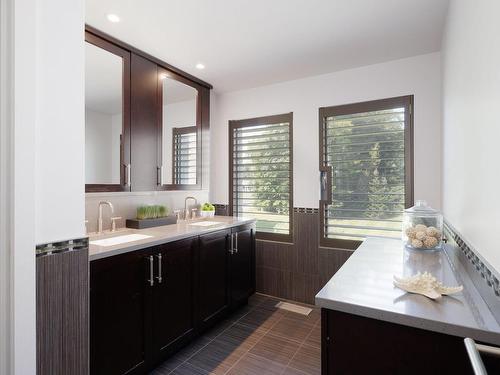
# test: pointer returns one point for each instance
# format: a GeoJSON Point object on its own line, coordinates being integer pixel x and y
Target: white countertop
{"type": "Point", "coordinates": [159, 235]}
{"type": "Point", "coordinates": [363, 286]}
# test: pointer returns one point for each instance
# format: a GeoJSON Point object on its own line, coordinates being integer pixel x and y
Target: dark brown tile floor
{"type": "Point", "coordinates": [256, 340]}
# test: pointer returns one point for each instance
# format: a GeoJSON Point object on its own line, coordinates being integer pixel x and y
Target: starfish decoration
{"type": "Point", "coordinates": [425, 284]}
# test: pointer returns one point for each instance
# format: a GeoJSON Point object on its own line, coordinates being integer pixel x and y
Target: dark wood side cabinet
{"type": "Point", "coordinates": [352, 344]}
{"type": "Point", "coordinates": [147, 304]}
{"type": "Point", "coordinates": [242, 276]}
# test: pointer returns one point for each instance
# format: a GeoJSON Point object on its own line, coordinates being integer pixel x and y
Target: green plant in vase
{"type": "Point", "coordinates": [151, 212]}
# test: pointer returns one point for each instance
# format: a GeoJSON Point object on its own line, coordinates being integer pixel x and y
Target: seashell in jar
{"type": "Point", "coordinates": [430, 242]}
{"type": "Point", "coordinates": [417, 243]}
{"type": "Point", "coordinates": [420, 228]}
{"type": "Point", "coordinates": [431, 231]}
{"type": "Point", "coordinates": [420, 235]}
{"type": "Point", "coordinates": [411, 232]}
{"type": "Point", "coordinates": [438, 234]}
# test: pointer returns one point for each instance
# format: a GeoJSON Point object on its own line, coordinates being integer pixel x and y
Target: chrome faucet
{"type": "Point", "coordinates": [99, 218]}
{"type": "Point", "coordinates": [186, 210]}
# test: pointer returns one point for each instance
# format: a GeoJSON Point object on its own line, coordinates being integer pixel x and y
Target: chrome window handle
{"type": "Point", "coordinates": [151, 270]}
{"type": "Point", "coordinates": [159, 277]}
{"type": "Point", "coordinates": [236, 242]}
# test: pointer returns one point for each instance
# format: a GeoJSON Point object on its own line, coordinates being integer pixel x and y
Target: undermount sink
{"type": "Point", "coordinates": [206, 223]}
{"type": "Point", "coordinates": [119, 239]}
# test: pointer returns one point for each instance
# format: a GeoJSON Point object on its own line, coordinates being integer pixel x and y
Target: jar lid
{"type": "Point", "coordinates": [421, 207]}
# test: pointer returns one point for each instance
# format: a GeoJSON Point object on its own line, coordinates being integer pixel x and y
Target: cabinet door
{"type": "Point", "coordinates": [173, 293]}
{"type": "Point", "coordinates": [119, 297]}
{"type": "Point", "coordinates": [242, 264]}
{"type": "Point", "coordinates": [143, 124]}
{"type": "Point", "coordinates": [213, 297]}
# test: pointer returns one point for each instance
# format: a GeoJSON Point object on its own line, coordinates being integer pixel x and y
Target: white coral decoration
{"type": "Point", "coordinates": [425, 284]}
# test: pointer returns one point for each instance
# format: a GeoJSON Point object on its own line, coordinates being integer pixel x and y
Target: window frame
{"type": "Point", "coordinates": [273, 119]}
{"type": "Point", "coordinates": [367, 106]}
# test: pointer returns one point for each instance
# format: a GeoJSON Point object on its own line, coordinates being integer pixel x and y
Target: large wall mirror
{"type": "Point", "coordinates": [179, 132]}
{"type": "Point", "coordinates": [107, 70]}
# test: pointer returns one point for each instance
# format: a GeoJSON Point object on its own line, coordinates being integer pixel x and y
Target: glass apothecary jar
{"type": "Point", "coordinates": [422, 227]}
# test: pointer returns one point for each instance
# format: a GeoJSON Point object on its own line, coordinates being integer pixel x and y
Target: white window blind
{"type": "Point", "coordinates": [184, 155]}
{"type": "Point", "coordinates": [367, 152]}
{"type": "Point", "coordinates": [261, 172]}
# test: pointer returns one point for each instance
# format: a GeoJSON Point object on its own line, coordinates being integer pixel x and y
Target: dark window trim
{"type": "Point", "coordinates": [373, 105]}
{"type": "Point", "coordinates": [235, 124]}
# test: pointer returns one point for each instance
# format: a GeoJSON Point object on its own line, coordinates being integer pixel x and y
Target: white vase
{"type": "Point", "coordinates": [207, 213]}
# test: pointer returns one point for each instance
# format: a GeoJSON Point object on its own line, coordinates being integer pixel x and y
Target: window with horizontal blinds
{"type": "Point", "coordinates": [184, 155]}
{"type": "Point", "coordinates": [261, 173]}
{"type": "Point", "coordinates": [368, 148]}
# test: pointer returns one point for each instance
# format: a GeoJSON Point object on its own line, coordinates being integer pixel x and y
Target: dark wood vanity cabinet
{"type": "Point", "coordinates": [213, 300]}
{"type": "Point", "coordinates": [119, 313]}
{"type": "Point", "coordinates": [146, 304]}
{"type": "Point", "coordinates": [173, 296]}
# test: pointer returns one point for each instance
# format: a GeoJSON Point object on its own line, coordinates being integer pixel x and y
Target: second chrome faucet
{"type": "Point", "coordinates": [186, 209]}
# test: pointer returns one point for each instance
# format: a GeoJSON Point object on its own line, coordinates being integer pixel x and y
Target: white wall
{"type": "Point", "coordinates": [471, 125]}
{"type": "Point", "coordinates": [60, 135]}
{"type": "Point", "coordinates": [418, 75]}
{"type": "Point", "coordinates": [125, 204]}
{"type": "Point", "coordinates": [18, 61]}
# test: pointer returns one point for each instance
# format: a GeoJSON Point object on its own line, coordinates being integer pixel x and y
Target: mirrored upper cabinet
{"type": "Point", "coordinates": [179, 132]}
{"type": "Point", "coordinates": [106, 116]}
{"type": "Point", "coordinates": [144, 120]}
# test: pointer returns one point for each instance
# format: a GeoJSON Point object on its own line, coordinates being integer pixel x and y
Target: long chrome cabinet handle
{"type": "Point", "coordinates": [151, 270]}
{"type": "Point", "coordinates": [159, 277]}
{"type": "Point", "coordinates": [232, 245]}
{"type": "Point", "coordinates": [474, 357]}
{"type": "Point", "coordinates": [236, 243]}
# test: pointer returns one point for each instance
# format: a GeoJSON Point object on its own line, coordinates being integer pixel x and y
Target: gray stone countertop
{"type": "Point", "coordinates": [159, 235]}
{"type": "Point", "coordinates": [363, 286]}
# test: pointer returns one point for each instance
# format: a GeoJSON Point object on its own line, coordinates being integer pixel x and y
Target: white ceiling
{"type": "Point", "coordinates": [249, 43]}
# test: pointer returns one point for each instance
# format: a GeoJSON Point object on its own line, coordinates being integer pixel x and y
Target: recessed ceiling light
{"type": "Point", "coordinates": [113, 18]}
{"type": "Point", "coordinates": [200, 66]}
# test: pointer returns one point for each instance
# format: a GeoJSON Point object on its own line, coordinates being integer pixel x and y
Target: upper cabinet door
{"type": "Point", "coordinates": [144, 120]}
{"type": "Point", "coordinates": [179, 132]}
{"type": "Point", "coordinates": [107, 116]}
